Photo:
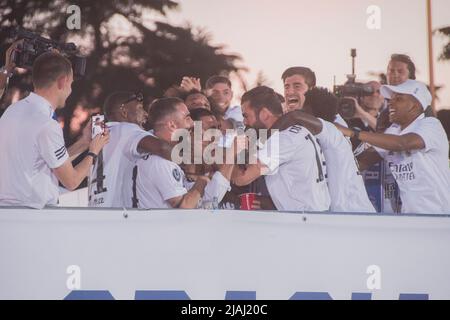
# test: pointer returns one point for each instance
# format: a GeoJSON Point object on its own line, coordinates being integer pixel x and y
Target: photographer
{"type": "Point", "coordinates": [34, 156]}
{"type": "Point", "coordinates": [367, 110]}
{"type": "Point", "coordinates": [7, 71]}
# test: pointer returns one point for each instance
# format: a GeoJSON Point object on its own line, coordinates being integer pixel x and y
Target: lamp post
{"type": "Point", "coordinates": [430, 55]}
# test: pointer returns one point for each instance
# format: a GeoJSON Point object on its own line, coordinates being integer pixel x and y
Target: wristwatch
{"type": "Point", "coordinates": [93, 155]}
{"type": "Point", "coordinates": [356, 132]}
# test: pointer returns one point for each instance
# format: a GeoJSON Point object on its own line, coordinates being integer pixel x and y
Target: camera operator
{"type": "Point", "coordinates": [7, 71]}
{"type": "Point", "coordinates": [34, 156]}
{"type": "Point", "coordinates": [367, 110]}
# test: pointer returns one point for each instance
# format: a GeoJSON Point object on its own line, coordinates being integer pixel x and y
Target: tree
{"type": "Point", "coordinates": [150, 56]}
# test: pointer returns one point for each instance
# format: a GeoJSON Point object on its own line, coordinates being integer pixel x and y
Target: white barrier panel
{"type": "Point", "coordinates": [57, 253]}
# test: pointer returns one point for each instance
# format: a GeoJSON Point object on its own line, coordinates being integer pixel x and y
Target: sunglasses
{"type": "Point", "coordinates": [135, 97]}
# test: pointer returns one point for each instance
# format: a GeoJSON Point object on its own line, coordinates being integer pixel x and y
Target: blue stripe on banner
{"type": "Point", "coordinates": [89, 295]}
{"type": "Point", "coordinates": [413, 296]}
{"type": "Point", "coordinates": [161, 295]}
{"type": "Point", "coordinates": [240, 295]}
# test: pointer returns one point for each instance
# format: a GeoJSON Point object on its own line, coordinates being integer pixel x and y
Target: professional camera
{"type": "Point", "coordinates": [34, 45]}
{"type": "Point", "coordinates": [357, 90]}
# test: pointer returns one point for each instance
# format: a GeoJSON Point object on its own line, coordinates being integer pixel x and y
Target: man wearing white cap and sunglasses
{"type": "Point", "coordinates": [415, 148]}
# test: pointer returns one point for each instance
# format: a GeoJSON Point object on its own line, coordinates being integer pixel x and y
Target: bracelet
{"type": "Point", "coordinates": [93, 155]}
{"type": "Point", "coordinates": [356, 132]}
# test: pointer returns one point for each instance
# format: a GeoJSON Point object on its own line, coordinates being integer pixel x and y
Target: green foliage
{"type": "Point", "coordinates": [150, 57]}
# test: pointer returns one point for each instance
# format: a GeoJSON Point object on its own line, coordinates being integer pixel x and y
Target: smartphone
{"type": "Point", "coordinates": [98, 124]}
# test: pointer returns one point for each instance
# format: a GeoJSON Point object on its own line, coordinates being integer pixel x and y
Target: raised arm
{"type": "Point", "coordinates": [298, 117]}
{"type": "Point", "coordinates": [156, 146]}
{"type": "Point", "coordinates": [405, 142]}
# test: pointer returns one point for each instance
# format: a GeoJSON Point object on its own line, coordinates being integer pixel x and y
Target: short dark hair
{"type": "Point", "coordinates": [407, 60]}
{"type": "Point", "coordinates": [113, 103]}
{"type": "Point", "coordinates": [261, 97]}
{"type": "Point", "coordinates": [48, 67]}
{"type": "Point", "coordinates": [161, 108]}
{"type": "Point", "coordinates": [322, 102]}
{"type": "Point", "coordinates": [217, 79]}
{"type": "Point", "coordinates": [199, 113]}
{"type": "Point", "coordinates": [280, 96]}
{"type": "Point", "coordinates": [307, 73]}
{"type": "Point", "coordinates": [185, 95]}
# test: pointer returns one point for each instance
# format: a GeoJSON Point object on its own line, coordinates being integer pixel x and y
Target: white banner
{"type": "Point", "coordinates": [69, 253]}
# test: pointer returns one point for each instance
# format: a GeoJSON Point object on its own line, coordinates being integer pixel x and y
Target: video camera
{"type": "Point", "coordinates": [346, 106]}
{"type": "Point", "coordinates": [34, 45]}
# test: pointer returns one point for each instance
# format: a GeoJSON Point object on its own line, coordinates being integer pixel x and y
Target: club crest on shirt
{"type": "Point", "coordinates": [176, 174]}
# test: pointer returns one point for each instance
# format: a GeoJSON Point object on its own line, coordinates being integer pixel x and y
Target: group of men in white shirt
{"type": "Point", "coordinates": [307, 162]}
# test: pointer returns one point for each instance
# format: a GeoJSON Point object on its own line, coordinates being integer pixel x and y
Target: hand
{"type": "Point", "coordinates": [190, 83]}
{"type": "Point", "coordinates": [9, 64]}
{"type": "Point", "coordinates": [256, 205]}
{"type": "Point", "coordinates": [86, 136]}
{"type": "Point", "coordinates": [263, 203]}
{"type": "Point", "coordinates": [359, 111]}
{"type": "Point", "coordinates": [99, 142]}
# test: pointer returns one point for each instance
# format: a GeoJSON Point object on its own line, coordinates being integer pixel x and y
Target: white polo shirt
{"type": "Point", "coordinates": [110, 178]}
{"type": "Point", "coordinates": [158, 180]}
{"type": "Point", "coordinates": [297, 180]}
{"type": "Point", "coordinates": [31, 144]}
{"type": "Point", "coordinates": [423, 176]}
{"type": "Point", "coordinates": [347, 190]}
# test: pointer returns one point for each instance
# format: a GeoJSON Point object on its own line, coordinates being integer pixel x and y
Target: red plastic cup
{"type": "Point", "coordinates": [247, 201]}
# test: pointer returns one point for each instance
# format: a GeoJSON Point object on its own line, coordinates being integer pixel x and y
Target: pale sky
{"type": "Point", "coordinates": [274, 35]}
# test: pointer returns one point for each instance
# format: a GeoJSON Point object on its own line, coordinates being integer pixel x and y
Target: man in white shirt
{"type": "Point", "coordinates": [346, 185]}
{"type": "Point", "coordinates": [33, 156]}
{"type": "Point", "coordinates": [297, 81]}
{"type": "Point", "coordinates": [111, 177]}
{"type": "Point", "coordinates": [218, 89]}
{"type": "Point", "coordinates": [415, 148]}
{"type": "Point", "coordinates": [291, 160]}
{"type": "Point", "coordinates": [161, 183]}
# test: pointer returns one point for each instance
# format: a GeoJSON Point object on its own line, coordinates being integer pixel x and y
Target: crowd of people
{"type": "Point", "coordinates": [306, 156]}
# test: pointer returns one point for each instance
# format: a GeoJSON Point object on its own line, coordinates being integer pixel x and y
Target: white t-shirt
{"type": "Point", "coordinates": [31, 145]}
{"type": "Point", "coordinates": [423, 176]}
{"type": "Point", "coordinates": [346, 185]}
{"type": "Point", "coordinates": [297, 171]}
{"type": "Point", "coordinates": [158, 180]}
{"type": "Point", "coordinates": [340, 120]}
{"type": "Point", "coordinates": [111, 176]}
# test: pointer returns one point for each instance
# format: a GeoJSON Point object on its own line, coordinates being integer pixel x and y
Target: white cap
{"type": "Point", "coordinates": [412, 87]}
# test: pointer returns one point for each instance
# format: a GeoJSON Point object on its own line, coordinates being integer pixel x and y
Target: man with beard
{"type": "Point", "coordinates": [346, 185]}
{"type": "Point", "coordinates": [161, 183]}
{"type": "Point", "coordinates": [291, 160]}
